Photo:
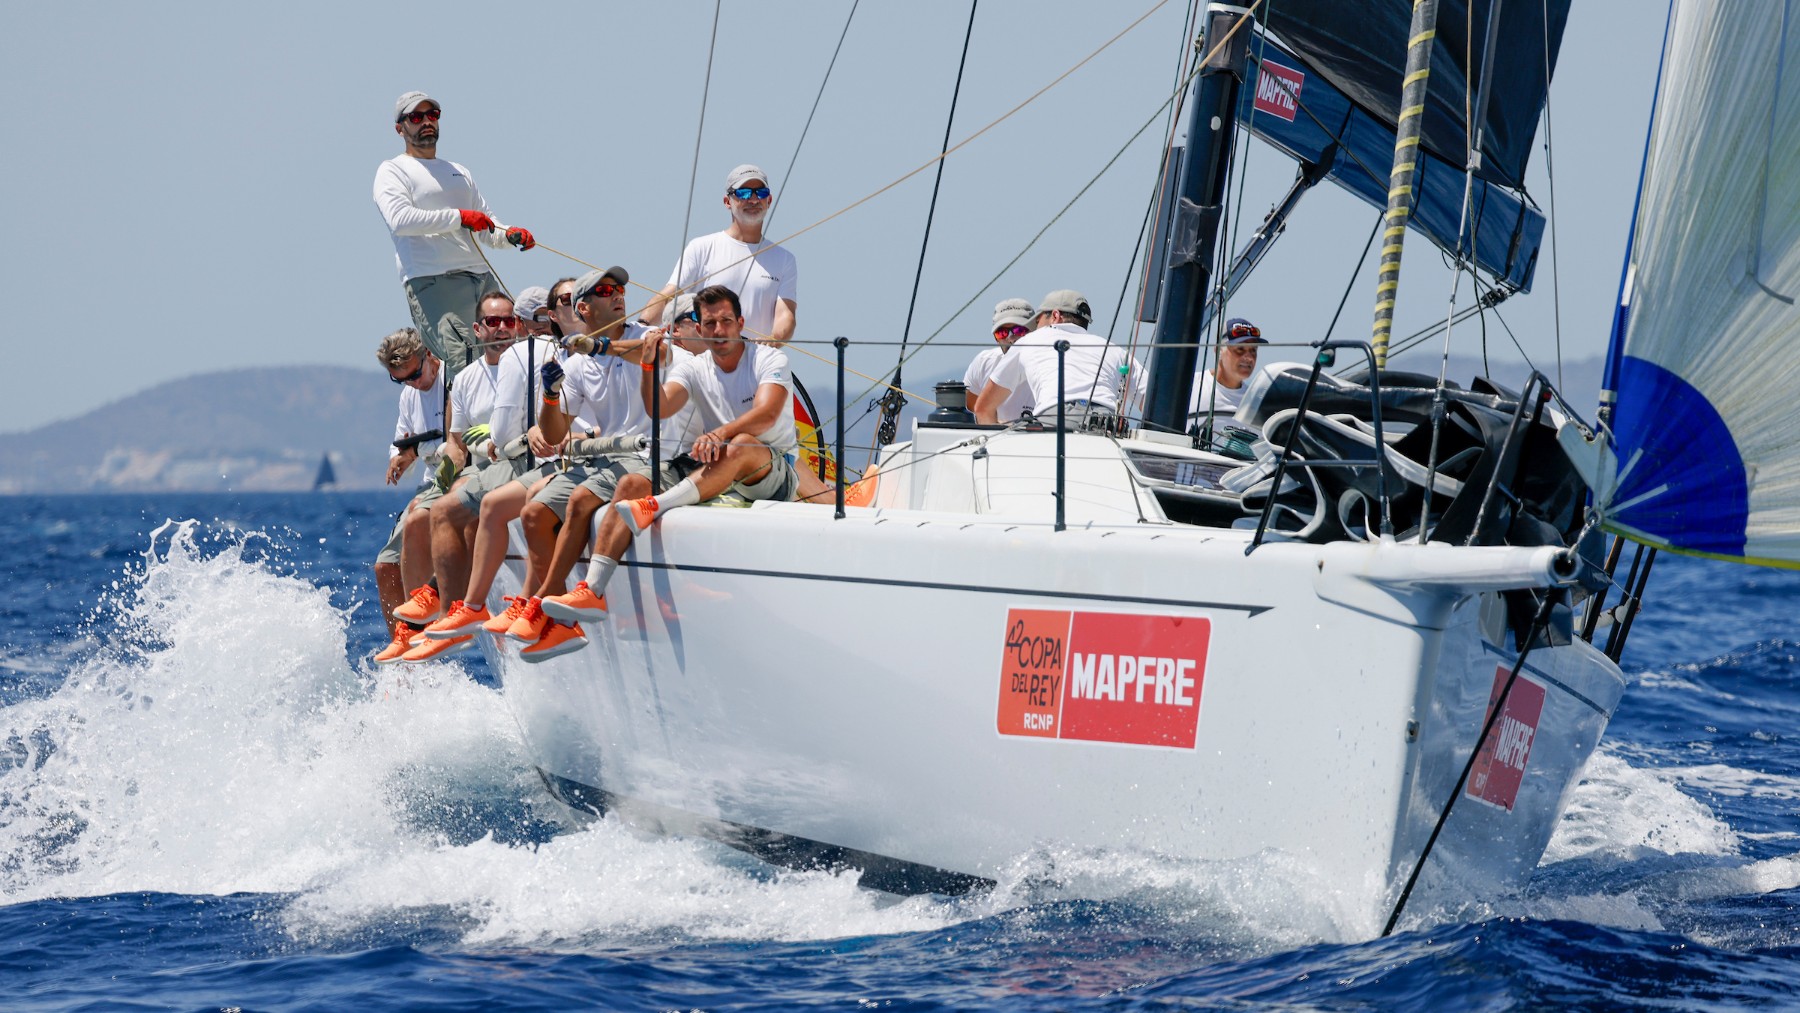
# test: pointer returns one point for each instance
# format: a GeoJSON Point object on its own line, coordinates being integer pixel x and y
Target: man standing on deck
{"type": "Point", "coordinates": [1089, 387]}
{"type": "Point", "coordinates": [765, 276]}
{"type": "Point", "coordinates": [435, 213]}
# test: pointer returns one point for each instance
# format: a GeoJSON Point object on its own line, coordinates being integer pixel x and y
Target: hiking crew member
{"type": "Point", "coordinates": [405, 561]}
{"type": "Point", "coordinates": [436, 214]}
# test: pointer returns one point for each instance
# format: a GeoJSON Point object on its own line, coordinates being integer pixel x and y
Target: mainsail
{"type": "Point", "coordinates": [1701, 374]}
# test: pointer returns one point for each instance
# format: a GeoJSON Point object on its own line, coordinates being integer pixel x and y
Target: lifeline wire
{"type": "Point", "coordinates": [687, 219]}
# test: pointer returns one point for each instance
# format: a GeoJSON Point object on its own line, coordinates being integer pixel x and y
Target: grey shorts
{"type": "Point", "coordinates": [390, 553]}
{"type": "Point", "coordinates": [781, 483]}
{"type": "Point", "coordinates": [443, 309]}
{"type": "Point", "coordinates": [491, 477]}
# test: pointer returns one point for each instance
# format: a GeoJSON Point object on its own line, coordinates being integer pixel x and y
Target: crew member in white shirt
{"type": "Point", "coordinates": [1095, 371]}
{"type": "Point", "coordinates": [1221, 389]}
{"type": "Point", "coordinates": [1012, 321]}
{"type": "Point", "coordinates": [765, 276]}
{"type": "Point", "coordinates": [436, 214]}
{"type": "Point", "coordinates": [405, 561]}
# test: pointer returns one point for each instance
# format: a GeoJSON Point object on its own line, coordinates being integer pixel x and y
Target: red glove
{"type": "Point", "coordinates": [477, 221]}
{"type": "Point", "coordinates": [520, 238]}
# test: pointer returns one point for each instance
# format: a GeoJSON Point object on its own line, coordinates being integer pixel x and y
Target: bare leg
{"type": "Point", "coordinates": [498, 508]}
{"type": "Point", "coordinates": [415, 549]}
{"type": "Point", "coordinates": [582, 505]}
{"type": "Point", "coordinates": [390, 588]}
{"type": "Point", "coordinates": [449, 552]}
{"type": "Point", "coordinates": [812, 488]}
{"type": "Point", "coordinates": [614, 536]}
{"type": "Point", "coordinates": [539, 522]}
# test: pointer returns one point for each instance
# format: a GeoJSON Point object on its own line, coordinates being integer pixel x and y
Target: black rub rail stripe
{"type": "Point", "coordinates": [878, 872]}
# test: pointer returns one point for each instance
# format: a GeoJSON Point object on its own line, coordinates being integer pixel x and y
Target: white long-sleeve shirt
{"type": "Point", "coordinates": [421, 200]}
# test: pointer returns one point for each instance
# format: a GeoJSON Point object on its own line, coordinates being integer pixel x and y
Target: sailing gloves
{"type": "Point", "coordinates": [520, 238]}
{"type": "Point", "coordinates": [476, 221]}
{"type": "Point", "coordinates": [552, 372]}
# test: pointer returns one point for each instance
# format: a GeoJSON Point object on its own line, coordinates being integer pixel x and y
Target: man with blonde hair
{"type": "Point", "coordinates": [405, 561]}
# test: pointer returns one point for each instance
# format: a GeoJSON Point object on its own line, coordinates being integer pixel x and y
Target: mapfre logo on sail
{"type": "Point", "coordinates": [1102, 677]}
{"type": "Point", "coordinates": [1278, 90]}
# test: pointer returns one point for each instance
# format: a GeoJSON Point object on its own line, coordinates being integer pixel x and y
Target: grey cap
{"type": "Point", "coordinates": [1067, 301]}
{"type": "Point", "coordinates": [584, 286]}
{"type": "Point", "coordinates": [1013, 311]}
{"type": "Point", "coordinates": [743, 174]}
{"type": "Point", "coordinates": [676, 308]}
{"type": "Point", "coordinates": [531, 302]}
{"type": "Point", "coordinates": [410, 101]}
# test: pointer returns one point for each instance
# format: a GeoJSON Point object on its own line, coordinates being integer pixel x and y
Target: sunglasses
{"type": "Point", "coordinates": [419, 117]}
{"type": "Point", "coordinates": [566, 299]}
{"type": "Point", "coordinates": [410, 377]}
{"type": "Point", "coordinates": [747, 192]}
{"type": "Point", "coordinates": [499, 322]}
{"type": "Point", "coordinates": [1011, 331]}
{"type": "Point", "coordinates": [606, 291]}
{"type": "Point", "coordinates": [1245, 331]}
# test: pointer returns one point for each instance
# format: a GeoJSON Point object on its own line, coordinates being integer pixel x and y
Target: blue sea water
{"type": "Point", "coordinates": [209, 800]}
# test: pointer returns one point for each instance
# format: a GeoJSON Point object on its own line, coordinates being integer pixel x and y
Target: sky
{"type": "Point", "coordinates": [190, 184]}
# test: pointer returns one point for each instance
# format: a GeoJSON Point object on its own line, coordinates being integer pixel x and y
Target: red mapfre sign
{"type": "Point", "coordinates": [1278, 90]}
{"type": "Point", "coordinates": [1102, 677]}
{"type": "Point", "coordinates": [1500, 766]}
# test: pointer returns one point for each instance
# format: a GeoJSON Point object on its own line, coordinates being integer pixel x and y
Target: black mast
{"type": "Point", "coordinates": [1194, 228]}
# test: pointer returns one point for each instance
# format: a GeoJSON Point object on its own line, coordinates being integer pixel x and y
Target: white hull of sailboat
{"type": "Point", "coordinates": [862, 692]}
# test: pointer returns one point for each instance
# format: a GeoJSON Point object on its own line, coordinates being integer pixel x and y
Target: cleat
{"type": "Point", "coordinates": [457, 621]}
{"type": "Point", "coordinates": [639, 514]}
{"type": "Point", "coordinates": [423, 608]}
{"type": "Point", "coordinates": [581, 603]}
{"type": "Point", "coordinates": [437, 650]}
{"type": "Point", "coordinates": [501, 623]}
{"type": "Point", "coordinates": [397, 646]}
{"type": "Point", "coordinates": [530, 624]}
{"type": "Point", "coordinates": [557, 639]}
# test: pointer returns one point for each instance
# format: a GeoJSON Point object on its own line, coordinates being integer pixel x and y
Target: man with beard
{"type": "Point", "coordinates": [435, 213]}
{"type": "Point", "coordinates": [765, 276]}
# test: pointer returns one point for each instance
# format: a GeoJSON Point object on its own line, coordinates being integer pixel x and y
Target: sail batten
{"type": "Point", "coordinates": [1705, 374]}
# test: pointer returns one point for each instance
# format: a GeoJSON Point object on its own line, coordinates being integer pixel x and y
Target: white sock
{"type": "Point", "coordinates": [600, 570]}
{"type": "Point", "coordinates": [685, 493]}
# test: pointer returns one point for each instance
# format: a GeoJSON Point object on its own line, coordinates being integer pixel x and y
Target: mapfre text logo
{"type": "Point", "coordinates": [1102, 677]}
{"type": "Point", "coordinates": [1278, 90]}
{"type": "Point", "coordinates": [1500, 766]}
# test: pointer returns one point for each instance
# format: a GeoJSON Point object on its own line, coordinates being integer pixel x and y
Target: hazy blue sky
{"type": "Point", "coordinates": [189, 184]}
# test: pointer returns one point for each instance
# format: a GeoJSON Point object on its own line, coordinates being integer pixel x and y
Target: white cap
{"type": "Point", "coordinates": [744, 174]}
{"type": "Point", "coordinates": [410, 101]}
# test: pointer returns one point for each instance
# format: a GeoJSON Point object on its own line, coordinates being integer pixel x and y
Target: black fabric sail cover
{"type": "Point", "coordinates": [1360, 46]}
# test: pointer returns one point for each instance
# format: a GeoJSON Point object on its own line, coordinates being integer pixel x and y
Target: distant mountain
{"type": "Point", "coordinates": [244, 430]}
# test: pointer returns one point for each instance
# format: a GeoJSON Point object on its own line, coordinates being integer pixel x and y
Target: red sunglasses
{"type": "Point", "coordinates": [1245, 331]}
{"type": "Point", "coordinates": [1010, 331]}
{"type": "Point", "coordinates": [419, 117]}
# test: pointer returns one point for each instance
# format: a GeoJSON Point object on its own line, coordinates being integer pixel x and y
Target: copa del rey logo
{"type": "Point", "coordinates": [1278, 90]}
{"type": "Point", "coordinates": [1102, 677]}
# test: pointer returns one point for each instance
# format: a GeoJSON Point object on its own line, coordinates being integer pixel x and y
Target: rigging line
{"type": "Point", "coordinates": [991, 282]}
{"type": "Point", "coordinates": [1033, 97]}
{"type": "Point", "coordinates": [1237, 216]}
{"type": "Point", "coordinates": [1360, 261]}
{"type": "Point", "coordinates": [1188, 50]}
{"type": "Point", "coordinates": [890, 409]}
{"type": "Point", "coordinates": [789, 174]}
{"type": "Point", "coordinates": [687, 219]}
{"type": "Point", "coordinates": [1550, 171]}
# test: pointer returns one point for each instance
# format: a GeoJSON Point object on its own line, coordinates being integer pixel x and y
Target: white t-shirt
{"type": "Point", "coordinates": [420, 412]}
{"type": "Point", "coordinates": [605, 388]}
{"type": "Point", "coordinates": [759, 280]}
{"type": "Point", "coordinates": [1210, 397]}
{"type": "Point", "coordinates": [1090, 369]}
{"type": "Point", "coordinates": [420, 200]}
{"type": "Point", "coordinates": [472, 399]}
{"type": "Point", "coordinates": [982, 369]}
{"type": "Point", "coordinates": [720, 397]}
{"type": "Point", "coordinates": [513, 390]}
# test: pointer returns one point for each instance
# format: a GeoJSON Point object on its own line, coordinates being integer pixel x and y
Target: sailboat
{"type": "Point", "coordinates": [1356, 646]}
{"type": "Point", "coordinates": [327, 475]}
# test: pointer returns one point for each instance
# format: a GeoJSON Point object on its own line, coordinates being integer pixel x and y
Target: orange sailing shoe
{"type": "Point", "coordinates": [401, 643]}
{"type": "Point", "coordinates": [457, 621]}
{"type": "Point", "coordinates": [581, 603]}
{"type": "Point", "coordinates": [530, 625]}
{"type": "Point", "coordinates": [557, 639]}
{"type": "Point", "coordinates": [639, 514]}
{"type": "Point", "coordinates": [437, 650]}
{"type": "Point", "coordinates": [424, 607]}
{"type": "Point", "coordinates": [515, 607]}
